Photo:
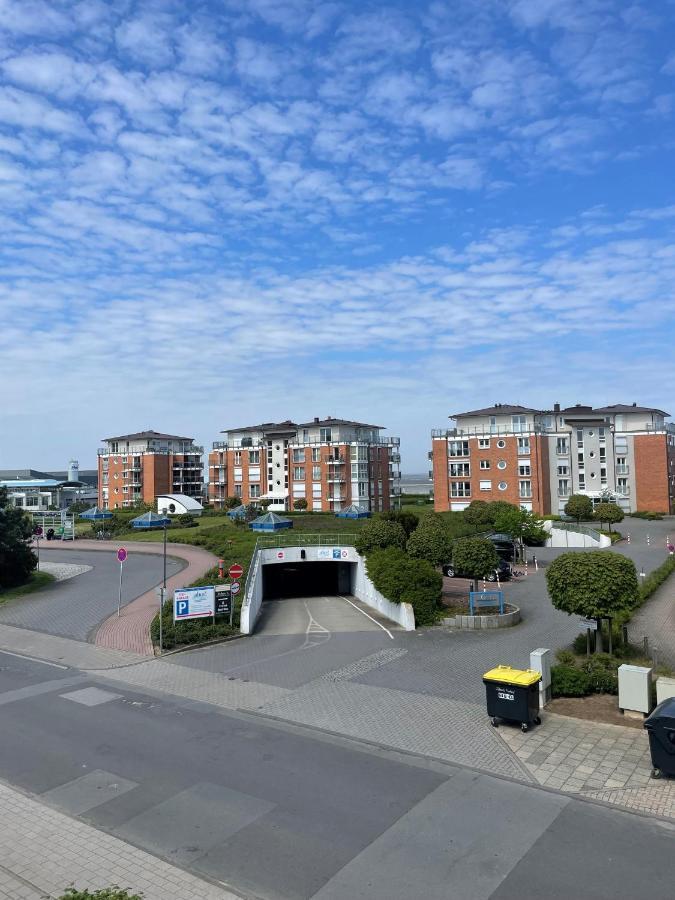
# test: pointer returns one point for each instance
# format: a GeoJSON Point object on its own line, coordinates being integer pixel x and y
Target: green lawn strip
{"type": "Point", "coordinates": [38, 581]}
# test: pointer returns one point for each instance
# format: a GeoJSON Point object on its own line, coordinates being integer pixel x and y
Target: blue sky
{"type": "Point", "coordinates": [221, 212]}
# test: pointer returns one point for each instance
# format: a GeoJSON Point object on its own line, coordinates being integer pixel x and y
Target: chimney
{"type": "Point", "coordinates": [635, 404]}
{"type": "Point", "coordinates": [316, 420]}
{"type": "Point", "coordinates": [556, 407]}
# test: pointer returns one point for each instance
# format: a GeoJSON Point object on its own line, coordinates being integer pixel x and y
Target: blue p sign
{"type": "Point", "coordinates": [182, 608]}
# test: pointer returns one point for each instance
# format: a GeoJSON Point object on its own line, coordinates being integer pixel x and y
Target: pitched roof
{"type": "Point", "coordinates": [329, 420]}
{"type": "Point", "coordinates": [630, 408]}
{"type": "Point", "coordinates": [265, 426]}
{"type": "Point", "coordinates": [499, 409]}
{"type": "Point", "coordinates": [148, 435]}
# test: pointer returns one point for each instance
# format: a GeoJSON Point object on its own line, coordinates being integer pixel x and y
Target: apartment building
{"type": "Point", "coordinates": [331, 463]}
{"type": "Point", "coordinates": [137, 468]}
{"type": "Point", "coordinates": [538, 458]}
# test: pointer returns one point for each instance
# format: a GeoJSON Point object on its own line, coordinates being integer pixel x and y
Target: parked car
{"type": "Point", "coordinates": [504, 570]}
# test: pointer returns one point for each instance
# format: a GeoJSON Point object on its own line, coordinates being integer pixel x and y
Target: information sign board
{"type": "Point", "coordinates": [193, 603]}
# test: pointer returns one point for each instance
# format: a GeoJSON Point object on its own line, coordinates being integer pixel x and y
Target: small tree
{"type": "Point", "coordinates": [377, 534]}
{"type": "Point", "coordinates": [597, 584]}
{"type": "Point", "coordinates": [408, 520]}
{"type": "Point", "coordinates": [608, 512]}
{"type": "Point", "coordinates": [265, 503]}
{"type": "Point", "coordinates": [478, 513]}
{"type": "Point", "coordinates": [431, 543]}
{"type": "Point", "coordinates": [519, 524]}
{"type": "Point", "coordinates": [579, 507]}
{"type": "Point", "coordinates": [231, 502]}
{"type": "Point", "coordinates": [17, 560]}
{"type": "Point", "coordinates": [475, 557]}
{"type": "Point", "coordinates": [300, 503]}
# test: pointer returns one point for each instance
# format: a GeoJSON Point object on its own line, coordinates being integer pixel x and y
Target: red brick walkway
{"type": "Point", "coordinates": [131, 630]}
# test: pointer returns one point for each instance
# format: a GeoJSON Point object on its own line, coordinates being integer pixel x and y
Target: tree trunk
{"type": "Point", "coordinates": [598, 636]}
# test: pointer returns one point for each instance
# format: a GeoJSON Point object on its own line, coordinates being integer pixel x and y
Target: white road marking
{"type": "Point", "coordinates": [367, 616]}
{"type": "Point", "coordinates": [33, 659]}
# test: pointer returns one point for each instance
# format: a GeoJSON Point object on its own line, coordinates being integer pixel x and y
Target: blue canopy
{"type": "Point", "coordinates": [353, 512]}
{"type": "Point", "coordinates": [270, 522]}
{"type": "Point", "coordinates": [239, 512]}
{"type": "Point", "coordinates": [150, 520]}
{"type": "Point", "coordinates": [96, 513]}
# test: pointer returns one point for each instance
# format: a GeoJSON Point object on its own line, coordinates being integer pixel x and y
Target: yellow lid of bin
{"type": "Point", "coordinates": [507, 675]}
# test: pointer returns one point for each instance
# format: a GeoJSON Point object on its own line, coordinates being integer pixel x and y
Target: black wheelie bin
{"type": "Point", "coordinates": [512, 694]}
{"type": "Point", "coordinates": [660, 725]}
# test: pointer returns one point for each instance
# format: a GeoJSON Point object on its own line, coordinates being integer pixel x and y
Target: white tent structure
{"type": "Point", "coordinates": [178, 504]}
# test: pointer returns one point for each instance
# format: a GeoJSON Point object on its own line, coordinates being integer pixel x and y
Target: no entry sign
{"type": "Point", "coordinates": [121, 554]}
{"type": "Point", "coordinates": [235, 571]}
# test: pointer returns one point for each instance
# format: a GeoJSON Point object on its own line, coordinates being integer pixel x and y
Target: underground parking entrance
{"type": "Point", "coordinates": [307, 579]}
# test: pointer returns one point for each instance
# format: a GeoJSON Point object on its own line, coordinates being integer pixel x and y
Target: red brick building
{"type": "Point", "coordinates": [330, 463]}
{"type": "Point", "coordinates": [136, 468]}
{"type": "Point", "coordinates": [537, 458]}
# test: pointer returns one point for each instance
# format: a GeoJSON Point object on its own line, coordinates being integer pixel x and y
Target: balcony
{"type": "Point", "coordinates": [623, 490]}
{"type": "Point", "coordinates": [622, 470]}
{"type": "Point", "coordinates": [567, 493]}
{"type": "Point", "coordinates": [336, 479]}
{"type": "Point", "coordinates": [335, 461]}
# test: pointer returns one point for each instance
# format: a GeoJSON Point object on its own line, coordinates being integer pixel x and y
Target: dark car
{"type": "Point", "coordinates": [503, 568]}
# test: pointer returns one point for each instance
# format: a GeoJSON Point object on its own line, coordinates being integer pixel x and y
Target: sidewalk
{"type": "Point", "coordinates": [131, 630]}
{"type": "Point", "coordinates": [43, 852]}
{"type": "Point", "coordinates": [656, 621]}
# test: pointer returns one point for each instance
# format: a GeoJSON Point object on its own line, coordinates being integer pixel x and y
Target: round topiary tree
{"type": "Point", "coordinates": [478, 513]}
{"type": "Point", "coordinates": [597, 584]}
{"type": "Point", "coordinates": [300, 504]}
{"type": "Point", "coordinates": [475, 557]}
{"type": "Point", "coordinates": [579, 507]}
{"type": "Point", "coordinates": [408, 520]}
{"type": "Point", "coordinates": [608, 512]}
{"type": "Point", "coordinates": [433, 544]}
{"type": "Point", "coordinates": [377, 534]}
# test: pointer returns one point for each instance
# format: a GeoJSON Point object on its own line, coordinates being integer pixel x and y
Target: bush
{"type": "Point", "coordinates": [110, 893]}
{"type": "Point", "coordinates": [198, 631]}
{"type": "Point", "coordinates": [378, 534]}
{"type": "Point", "coordinates": [186, 520]}
{"type": "Point", "coordinates": [404, 580]}
{"type": "Point", "coordinates": [430, 543]}
{"type": "Point", "coordinates": [408, 520]}
{"type": "Point", "coordinates": [300, 503]}
{"type": "Point", "coordinates": [656, 578]}
{"type": "Point", "coordinates": [601, 670]}
{"type": "Point", "coordinates": [568, 681]}
{"type": "Point", "coordinates": [475, 557]}
{"type": "Point", "coordinates": [566, 657]}
{"type": "Point", "coordinates": [647, 514]}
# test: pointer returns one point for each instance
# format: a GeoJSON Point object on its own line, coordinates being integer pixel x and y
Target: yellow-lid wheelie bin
{"type": "Point", "coordinates": [513, 695]}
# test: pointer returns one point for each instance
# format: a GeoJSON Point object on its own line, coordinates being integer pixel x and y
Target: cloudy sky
{"type": "Point", "coordinates": [228, 211]}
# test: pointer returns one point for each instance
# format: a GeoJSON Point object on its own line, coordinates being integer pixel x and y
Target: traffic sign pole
{"type": "Point", "coordinates": [121, 556]}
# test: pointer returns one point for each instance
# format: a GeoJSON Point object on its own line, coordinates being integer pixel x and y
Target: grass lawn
{"type": "Point", "coordinates": [38, 580]}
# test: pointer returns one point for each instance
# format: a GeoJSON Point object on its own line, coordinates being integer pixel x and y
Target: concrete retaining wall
{"type": "Point", "coordinates": [568, 537]}
{"type": "Point", "coordinates": [477, 622]}
{"type": "Point", "coordinates": [361, 586]}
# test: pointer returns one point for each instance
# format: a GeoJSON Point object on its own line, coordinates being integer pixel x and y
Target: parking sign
{"type": "Point", "coordinates": [193, 603]}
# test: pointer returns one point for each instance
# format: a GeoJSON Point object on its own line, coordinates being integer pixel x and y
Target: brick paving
{"type": "Point", "coordinates": [656, 621]}
{"type": "Point", "coordinates": [63, 571]}
{"type": "Point", "coordinates": [43, 852]}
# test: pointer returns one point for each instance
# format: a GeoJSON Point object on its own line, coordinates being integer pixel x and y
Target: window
{"type": "Point", "coordinates": [563, 487]}
{"type": "Point", "coordinates": [493, 424]}
{"type": "Point", "coordinates": [501, 443]}
{"type": "Point", "coordinates": [31, 501]}
{"type": "Point", "coordinates": [254, 491]}
{"type": "Point", "coordinates": [483, 443]}
{"type": "Point", "coordinates": [603, 454]}
{"type": "Point", "coordinates": [237, 490]}
{"type": "Point", "coordinates": [460, 489]}
{"type": "Point", "coordinates": [524, 469]}
{"type": "Point", "coordinates": [299, 473]}
{"type": "Point", "coordinates": [518, 423]}
{"type": "Point", "coordinates": [325, 435]}
{"type": "Point", "coordinates": [601, 434]}
{"type": "Point", "coordinates": [237, 457]}
{"type": "Point", "coordinates": [485, 485]}
{"type": "Point", "coordinates": [254, 457]}
{"type": "Point", "coordinates": [502, 485]}
{"type": "Point", "coordinates": [562, 446]}
{"type": "Point", "coordinates": [501, 464]}
{"type": "Point", "coordinates": [621, 467]}
{"type": "Point", "coordinates": [525, 489]}
{"type": "Point", "coordinates": [485, 463]}
{"type": "Point", "coordinates": [237, 474]}
{"type": "Point", "coordinates": [603, 475]}
{"type": "Point", "coordinates": [316, 454]}
{"type": "Point", "coordinates": [622, 486]}
{"type": "Point", "coordinates": [299, 455]}
{"type": "Point", "coordinates": [460, 470]}
{"type": "Point", "coordinates": [254, 473]}
{"type": "Point", "coordinates": [582, 480]}
{"type": "Point", "coordinates": [580, 437]}
{"type": "Point", "coordinates": [563, 470]}
{"type": "Point", "coordinates": [458, 448]}
{"type": "Point", "coordinates": [316, 473]}
{"type": "Point", "coordinates": [524, 446]}
{"type": "Point", "coordinates": [580, 458]}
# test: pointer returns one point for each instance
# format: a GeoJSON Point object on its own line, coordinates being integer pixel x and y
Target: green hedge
{"type": "Point", "coordinates": [647, 514]}
{"type": "Point", "coordinates": [402, 579]}
{"type": "Point", "coordinates": [655, 579]}
{"type": "Point", "coordinates": [568, 681]}
{"type": "Point", "coordinates": [110, 893]}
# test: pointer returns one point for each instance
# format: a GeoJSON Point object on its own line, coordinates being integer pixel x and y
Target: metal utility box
{"type": "Point", "coordinates": [665, 688]}
{"type": "Point", "coordinates": [512, 694]}
{"type": "Point", "coordinates": [635, 688]}
{"type": "Point", "coordinates": [661, 729]}
{"type": "Point", "coordinates": [540, 661]}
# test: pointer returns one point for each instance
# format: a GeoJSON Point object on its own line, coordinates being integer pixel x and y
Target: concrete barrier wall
{"type": "Point", "coordinates": [567, 537]}
{"type": "Point", "coordinates": [362, 587]}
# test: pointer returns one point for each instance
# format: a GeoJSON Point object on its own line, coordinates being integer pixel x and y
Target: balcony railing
{"type": "Point", "coordinates": [622, 470]}
{"type": "Point", "coordinates": [623, 491]}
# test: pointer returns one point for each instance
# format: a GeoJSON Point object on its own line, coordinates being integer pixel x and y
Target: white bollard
{"type": "Point", "coordinates": [628, 538]}
{"type": "Point", "coordinates": [648, 540]}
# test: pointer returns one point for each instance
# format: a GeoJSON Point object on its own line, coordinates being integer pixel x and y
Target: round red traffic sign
{"type": "Point", "coordinates": [235, 587]}
{"type": "Point", "coordinates": [121, 554]}
{"type": "Point", "coordinates": [235, 571]}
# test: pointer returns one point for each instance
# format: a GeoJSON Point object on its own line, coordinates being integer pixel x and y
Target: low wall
{"type": "Point", "coordinates": [507, 620]}
{"type": "Point", "coordinates": [361, 586]}
{"type": "Point", "coordinates": [564, 535]}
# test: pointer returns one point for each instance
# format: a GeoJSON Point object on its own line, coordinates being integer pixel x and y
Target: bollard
{"type": "Point", "coordinates": [536, 564]}
{"type": "Point", "coordinates": [628, 537]}
{"type": "Point", "coordinates": [648, 540]}
{"type": "Point", "coordinates": [221, 568]}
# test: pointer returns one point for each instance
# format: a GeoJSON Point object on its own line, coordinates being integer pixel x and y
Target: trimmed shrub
{"type": "Point", "coordinates": [378, 534]}
{"type": "Point", "coordinates": [568, 681]}
{"type": "Point", "coordinates": [433, 544]}
{"type": "Point", "coordinates": [404, 580]}
{"type": "Point", "coordinates": [566, 657]}
{"type": "Point", "coordinates": [408, 520]}
{"type": "Point", "coordinates": [647, 514]}
{"type": "Point", "coordinates": [300, 503]}
{"type": "Point", "coordinates": [601, 670]}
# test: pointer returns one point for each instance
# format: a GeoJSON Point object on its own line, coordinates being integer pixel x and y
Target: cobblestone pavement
{"type": "Point", "coordinates": [43, 852]}
{"type": "Point", "coordinates": [64, 571]}
{"type": "Point", "coordinates": [604, 762]}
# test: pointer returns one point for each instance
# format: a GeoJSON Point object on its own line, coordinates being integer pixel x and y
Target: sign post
{"type": "Point", "coordinates": [37, 532]}
{"type": "Point", "coordinates": [235, 571]}
{"type": "Point", "coordinates": [121, 556]}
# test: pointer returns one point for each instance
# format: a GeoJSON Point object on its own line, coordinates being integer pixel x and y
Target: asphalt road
{"type": "Point", "coordinates": [280, 812]}
{"type": "Point", "coordinates": [76, 607]}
